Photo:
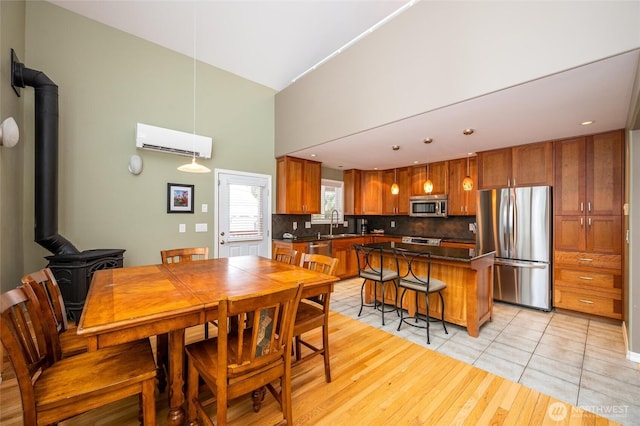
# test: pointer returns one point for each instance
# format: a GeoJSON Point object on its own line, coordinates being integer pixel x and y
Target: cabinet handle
{"type": "Point", "coordinates": [586, 278]}
{"type": "Point", "coordinates": [514, 182]}
{"type": "Point", "coordinates": [581, 207]}
{"type": "Point", "coordinates": [586, 301]}
{"type": "Point", "coordinates": [589, 206]}
{"type": "Point", "coordinates": [585, 259]}
{"type": "Point", "coordinates": [508, 182]}
{"type": "Point", "coordinates": [581, 222]}
{"type": "Point", "coordinates": [589, 221]}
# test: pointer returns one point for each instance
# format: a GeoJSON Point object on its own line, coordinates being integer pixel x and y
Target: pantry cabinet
{"type": "Point", "coordinates": [522, 165]}
{"type": "Point", "coordinates": [352, 191]}
{"type": "Point", "coordinates": [298, 185]}
{"type": "Point", "coordinates": [461, 202]}
{"type": "Point", "coordinates": [588, 235]}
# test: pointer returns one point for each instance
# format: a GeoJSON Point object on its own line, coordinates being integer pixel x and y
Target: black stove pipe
{"type": "Point", "coordinates": [46, 158]}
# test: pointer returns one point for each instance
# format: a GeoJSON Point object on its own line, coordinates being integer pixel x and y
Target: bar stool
{"type": "Point", "coordinates": [421, 282]}
{"type": "Point", "coordinates": [371, 267]}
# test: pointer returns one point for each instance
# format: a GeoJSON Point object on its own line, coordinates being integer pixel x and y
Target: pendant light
{"type": "Point", "coordinates": [428, 185]}
{"type": "Point", "coordinates": [193, 166]}
{"type": "Point", "coordinates": [467, 182]}
{"type": "Point", "coordinates": [395, 188]}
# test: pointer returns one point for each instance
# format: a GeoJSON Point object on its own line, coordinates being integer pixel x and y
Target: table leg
{"type": "Point", "coordinates": [176, 413]}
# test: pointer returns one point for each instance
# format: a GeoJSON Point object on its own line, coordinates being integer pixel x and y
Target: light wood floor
{"type": "Point", "coordinates": [378, 378]}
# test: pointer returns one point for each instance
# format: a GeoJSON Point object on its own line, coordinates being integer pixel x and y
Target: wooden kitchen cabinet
{"type": "Point", "coordinates": [342, 249]}
{"type": "Point", "coordinates": [371, 192]}
{"type": "Point", "coordinates": [397, 204]}
{"type": "Point", "coordinates": [461, 202]}
{"type": "Point", "coordinates": [438, 173]}
{"type": "Point", "coordinates": [523, 165]}
{"type": "Point", "coordinates": [588, 233]}
{"type": "Point", "coordinates": [352, 191]}
{"type": "Point", "coordinates": [298, 184]}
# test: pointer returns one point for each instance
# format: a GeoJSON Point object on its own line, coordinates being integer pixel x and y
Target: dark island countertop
{"type": "Point", "coordinates": [437, 252]}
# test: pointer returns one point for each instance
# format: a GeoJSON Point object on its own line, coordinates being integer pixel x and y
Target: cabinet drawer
{"type": "Point", "coordinates": [588, 302]}
{"type": "Point", "coordinates": [596, 260]}
{"type": "Point", "coordinates": [588, 279]}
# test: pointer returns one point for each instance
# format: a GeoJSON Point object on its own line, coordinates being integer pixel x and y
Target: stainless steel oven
{"type": "Point", "coordinates": [428, 206]}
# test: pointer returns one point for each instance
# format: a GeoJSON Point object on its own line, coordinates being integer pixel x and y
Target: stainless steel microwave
{"type": "Point", "coordinates": [428, 206]}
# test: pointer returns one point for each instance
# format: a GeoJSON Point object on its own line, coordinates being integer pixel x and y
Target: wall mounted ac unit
{"type": "Point", "coordinates": [172, 141]}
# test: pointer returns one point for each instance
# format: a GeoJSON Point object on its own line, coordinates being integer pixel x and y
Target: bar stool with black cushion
{"type": "Point", "coordinates": [285, 255]}
{"type": "Point", "coordinates": [418, 279]}
{"type": "Point", "coordinates": [255, 353]}
{"type": "Point", "coordinates": [51, 393]}
{"type": "Point", "coordinates": [313, 312]}
{"type": "Point", "coordinates": [371, 268]}
{"type": "Point", "coordinates": [54, 315]}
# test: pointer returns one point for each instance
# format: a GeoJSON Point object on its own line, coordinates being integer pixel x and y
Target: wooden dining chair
{"type": "Point", "coordinates": [285, 255]}
{"type": "Point", "coordinates": [187, 254]}
{"type": "Point", "coordinates": [313, 312]}
{"type": "Point", "coordinates": [255, 353]}
{"type": "Point", "coordinates": [54, 316]}
{"type": "Point", "coordinates": [54, 392]}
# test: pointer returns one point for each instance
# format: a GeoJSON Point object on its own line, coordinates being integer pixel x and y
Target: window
{"type": "Point", "coordinates": [331, 197]}
{"type": "Point", "coordinates": [245, 212]}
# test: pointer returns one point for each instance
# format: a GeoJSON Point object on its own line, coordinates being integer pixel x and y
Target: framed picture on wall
{"type": "Point", "coordinates": [180, 198]}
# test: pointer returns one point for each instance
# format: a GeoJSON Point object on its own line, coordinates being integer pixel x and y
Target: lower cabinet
{"type": "Point", "coordinates": [588, 282]}
{"type": "Point", "coordinates": [342, 249]}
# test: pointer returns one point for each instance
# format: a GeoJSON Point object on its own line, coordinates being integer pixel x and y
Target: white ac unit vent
{"type": "Point", "coordinates": [172, 141]}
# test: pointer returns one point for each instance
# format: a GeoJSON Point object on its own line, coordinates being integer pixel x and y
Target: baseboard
{"type": "Point", "coordinates": [631, 356]}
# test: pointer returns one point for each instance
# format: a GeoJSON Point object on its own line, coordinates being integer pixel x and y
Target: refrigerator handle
{"type": "Point", "coordinates": [513, 226]}
{"type": "Point", "coordinates": [516, 264]}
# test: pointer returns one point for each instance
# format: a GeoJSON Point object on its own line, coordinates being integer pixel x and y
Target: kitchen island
{"type": "Point", "coordinates": [468, 297]}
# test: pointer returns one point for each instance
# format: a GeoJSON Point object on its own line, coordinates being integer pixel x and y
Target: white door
{"type": "Point", "coordinates": [243, 214]}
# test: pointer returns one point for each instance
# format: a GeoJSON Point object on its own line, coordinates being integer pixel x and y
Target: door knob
{"type": "Point", "coordinates": [221, 242]}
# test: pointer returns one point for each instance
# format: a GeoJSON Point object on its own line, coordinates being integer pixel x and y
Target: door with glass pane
{"type": "Point", "coordinates": [243, 224]}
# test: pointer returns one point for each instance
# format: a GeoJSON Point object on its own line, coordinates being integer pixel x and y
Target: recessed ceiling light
{"type": "Point", "coordinates": [415, 161]}
{"type": "Point", "coordinates": [395, 147]}
{"type": "Point", "coordinates": [427, 140]}
{"type": "Point", "coordinates": [468, 132]}
{"type": "Point", "coordinates": [586, 123]}
{"type": "Point", "coordinates": [313, 155]}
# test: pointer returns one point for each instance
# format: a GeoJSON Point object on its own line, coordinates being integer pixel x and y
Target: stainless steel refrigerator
{"type": "Point", "coordinates": [516, 223]}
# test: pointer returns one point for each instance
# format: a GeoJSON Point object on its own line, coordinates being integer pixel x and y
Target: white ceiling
{"type": "Point", "coordinates": [272, 42]}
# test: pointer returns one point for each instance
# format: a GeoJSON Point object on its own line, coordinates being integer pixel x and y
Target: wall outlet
{"type": "Point", "coordinates": [472, 227]}
{"type": "Point", "coordinates": [201, 227]}
{"type": "Point", "coordinates": [393, 223]}
{"type": "Point", "coordinates": [346, 224]}
{"type": "Point", "coordinates": [182, 228]}
{"type": "Point", "coordinates": [307, 225]}
{"type": "Point", "coordinates": [205, 208]}
{"type": "Point", "coordinates": [295, 225]}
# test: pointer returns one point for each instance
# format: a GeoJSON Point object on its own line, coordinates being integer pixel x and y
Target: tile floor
{"type": "Point", "coordinates": [577, 360]}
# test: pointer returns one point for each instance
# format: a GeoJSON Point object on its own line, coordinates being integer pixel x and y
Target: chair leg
{"type": "Point", "coordinates": [401, 310]}
{"type": "Point", "coordinates": [382, 302]}
{"type": "Point", "coordinates": [325, 347]}
{"type": "Point", "coordinates": [443, 324]}
{"type": "Point", "coordinates": [427, 313]}
{"type": "Point", "coordinates": [362, 296]}
{"type": "Point", "coordinates": [206, 331]}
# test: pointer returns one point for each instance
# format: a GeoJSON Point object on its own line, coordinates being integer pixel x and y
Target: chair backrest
{"type": "Point", "coordinates": [23, 338]}
{"type": "Point", "coordinates": [371, 262]}
{"type": "Point", "coordinates": [188, 254]}
{"type": "Point", "coordinates": [285, 255]}
{"type": "Point", "coordinates": [54, 315]}
{"type": "Point", "coordinates": [418, 266]}
{"type": "Point", "coordinates": [319, 262]}
{"type": "Point", "coordinates": [261, 333]}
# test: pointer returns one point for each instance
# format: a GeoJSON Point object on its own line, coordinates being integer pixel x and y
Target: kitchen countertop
{"type": "Point", "coordinates": [340, 236]}
{"type": "Point", "coordinates": [437, 252]}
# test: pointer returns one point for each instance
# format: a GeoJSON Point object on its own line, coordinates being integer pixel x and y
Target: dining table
{"type": "Point", "coordinates": [137, 302]}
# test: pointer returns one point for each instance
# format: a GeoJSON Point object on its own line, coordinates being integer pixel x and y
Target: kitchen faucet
{"type": "Point", "coordinates": [331, 224]}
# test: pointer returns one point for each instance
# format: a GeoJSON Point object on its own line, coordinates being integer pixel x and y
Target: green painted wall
{"type": "Point", "coordinates": [12, 24]}
{"type": "Point", "coordinates": [108, 81]}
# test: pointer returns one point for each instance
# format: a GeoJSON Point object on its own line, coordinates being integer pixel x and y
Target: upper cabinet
{"type": "Point", "coordinates": [395, 203]}
{"type": "Point", "coordinates": [298, 184]}
{"type": "Point", "coordinates": [438, 173]}
{"type": "Point", "coordinates": [523, 165]}
{"type": "Point", "coordinates": [371, 192]}
{"type": "Point", "coordinates": [461, 202]}
{"type": "Point", "coordinates": [352, 191]}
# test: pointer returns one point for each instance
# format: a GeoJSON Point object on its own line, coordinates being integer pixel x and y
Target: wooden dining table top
{"type": "Point", "coordinates": [139, 296]}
